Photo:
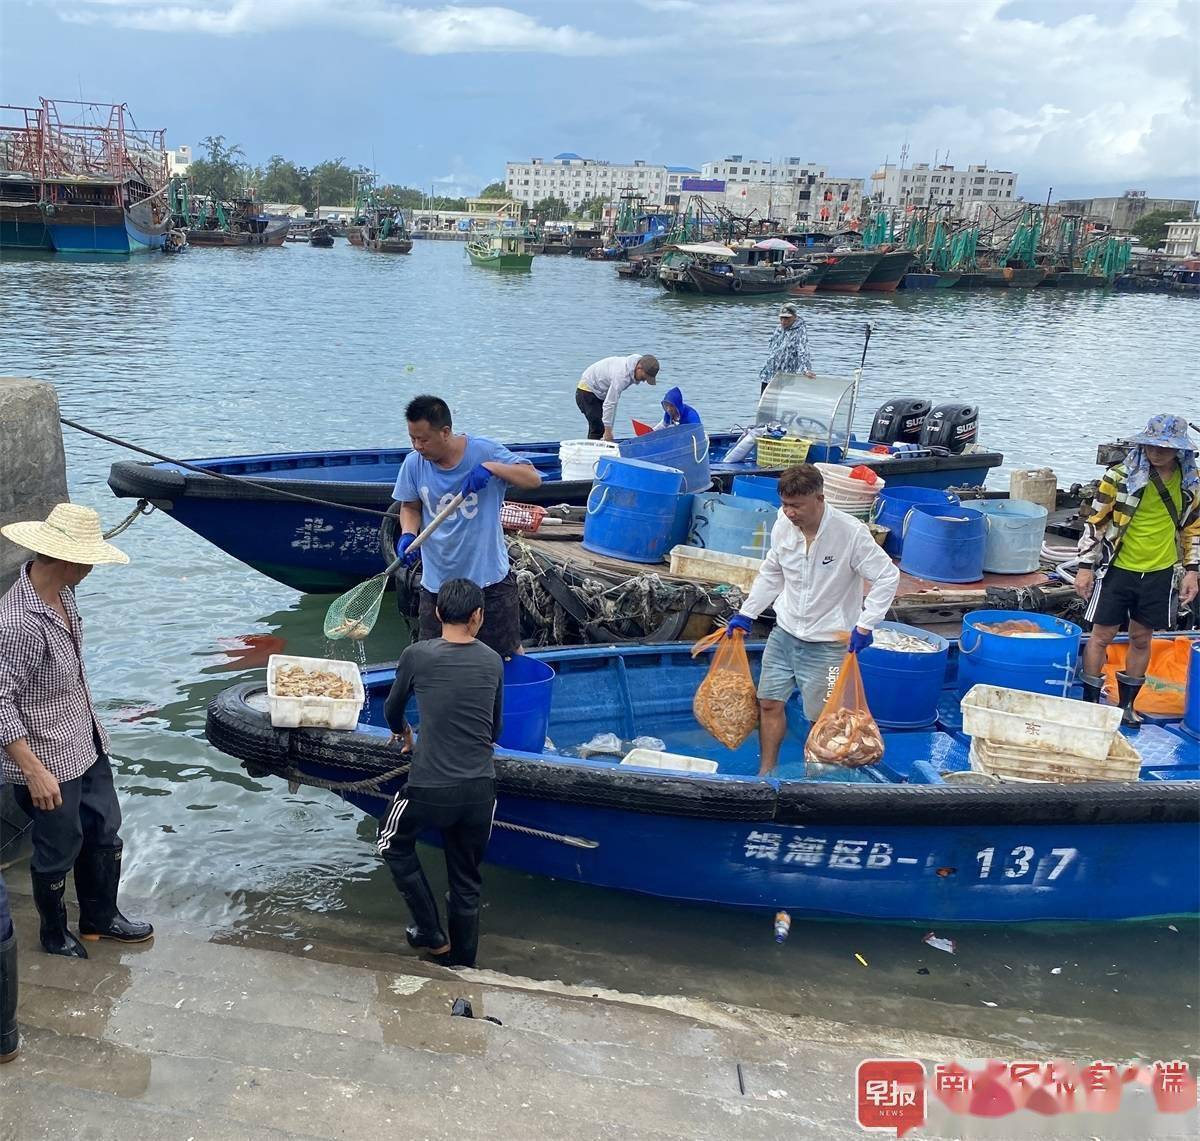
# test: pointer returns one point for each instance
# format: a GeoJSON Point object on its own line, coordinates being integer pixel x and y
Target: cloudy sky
{"type": "Point", "coordinates": [1089, 96]}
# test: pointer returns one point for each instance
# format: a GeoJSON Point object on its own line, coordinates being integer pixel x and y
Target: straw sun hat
{"type": "Point", "coordinates": [70, 532]}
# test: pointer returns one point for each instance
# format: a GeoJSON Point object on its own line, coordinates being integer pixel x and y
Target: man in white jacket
{"type": "Point", "coordinates": [816, 575]}
{"type": "Point", "coordinates": [601, 385]}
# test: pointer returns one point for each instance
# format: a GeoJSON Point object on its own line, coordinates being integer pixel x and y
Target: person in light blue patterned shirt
{"type": "Point", "coordinates": [788, 350]}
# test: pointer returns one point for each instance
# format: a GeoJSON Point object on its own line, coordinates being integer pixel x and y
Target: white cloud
{"type": "Point", "coordinates": [451, 28]}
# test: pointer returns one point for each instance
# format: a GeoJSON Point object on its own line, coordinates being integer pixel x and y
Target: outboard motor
{"type": "Point", "coordinates": [900, 420]}
{"type": "Point", "coordinates": [951, 426]}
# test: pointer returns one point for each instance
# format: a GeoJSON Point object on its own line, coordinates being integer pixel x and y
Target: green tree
{"type": "Point", "coordinates": [405, 197]}
{"type": "Point", "coordinates": [550, 209]}
{"type": "Point", "coordinates": [221, 171]}
{"type": "Point", "coordinates": [335, 180]}
{"type": "Point", "coordinates": [281, 181]}
{"type": "Point", "coordinates": [1151, 229]}
{"type": "Point", "coordinates": [495, 190]}
{"type": "Point", "coordinates": [592, 207]}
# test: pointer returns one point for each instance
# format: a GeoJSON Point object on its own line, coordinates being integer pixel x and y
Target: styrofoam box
{"type": "Point", "coordinates": [315, 712]}
{"type": "Point", "coordinates": [1036, 720]}
{"type": "Point", "coordinates": [715, 566]}
{"type": "Point", "coordinates": [656, 759]}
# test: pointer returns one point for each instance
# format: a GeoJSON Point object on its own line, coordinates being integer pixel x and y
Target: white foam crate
{"type": "Point", "coordinates": [1036, 720]}
{"type": "Point", "coordinates": [315, 712]}
{"type": "Point", "coordinates": [715, 566]}
{"type": "Point", "coordinates": [657, 759]}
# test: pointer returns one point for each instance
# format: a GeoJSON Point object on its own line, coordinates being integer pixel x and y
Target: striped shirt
{"type": "Point", "coordinates": [1112, 511]}
{"type": "Point", "coordinates": [44, 695]}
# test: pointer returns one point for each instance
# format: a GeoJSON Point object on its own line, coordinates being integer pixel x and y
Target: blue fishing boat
{"type": "Point", "coordinates": [898, 840]}
{"type": "Point", "coordinates": [330, 546]}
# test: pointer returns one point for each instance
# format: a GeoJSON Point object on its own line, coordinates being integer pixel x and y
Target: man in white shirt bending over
{"type": "Point", "coordinates": [815, 575]}
{"type": "Point", "coordinates": [601, 386]}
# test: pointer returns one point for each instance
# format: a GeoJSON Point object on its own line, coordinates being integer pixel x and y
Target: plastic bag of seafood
{"type": "Point", "coordinates": [726, 703]}
{"type": "Point", "coordinates": [845, 733]}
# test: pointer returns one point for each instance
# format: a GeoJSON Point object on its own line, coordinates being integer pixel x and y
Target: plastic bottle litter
{"type": "Point", "coordinates": [939, 944]}
{"type": "Point", "coordinates": [783, 924]}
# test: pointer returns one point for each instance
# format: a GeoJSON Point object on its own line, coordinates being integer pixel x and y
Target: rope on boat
{"type": "Point", "coordinates": [370, 787]}
{"type": "Point", "coordinates": [144, 507]}
{"type": "Point", "coordinates": [258, 484]}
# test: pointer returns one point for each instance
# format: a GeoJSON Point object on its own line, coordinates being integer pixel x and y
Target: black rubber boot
{"type": "Point", "coordinates": [48, 898]}
{"type": "Point", "coordinates": [426, 934]}
{"type": "Point", "coordinates": [97, 877]}
{"type": "Point", "coordinates": [10, 1040]}
{"type": "Point", "coordinates": [1128, 689]}
{"type": "Point", "coordinates": [464, 939]}
{"type": "Point", "coordinates": [1093, 688]}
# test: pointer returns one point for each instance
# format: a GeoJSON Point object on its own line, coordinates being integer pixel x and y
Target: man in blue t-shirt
{"type": "Point", "coordinates": [470, 543]}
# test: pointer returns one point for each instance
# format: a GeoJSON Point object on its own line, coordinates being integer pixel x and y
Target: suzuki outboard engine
{"type": "Point", "coordinates": [899, 421]}
{"type": "Point", "coordinates": [951, 426]}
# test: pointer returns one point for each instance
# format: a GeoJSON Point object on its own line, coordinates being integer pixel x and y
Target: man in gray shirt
{"type": "Point", "coordinates": [459, 687]}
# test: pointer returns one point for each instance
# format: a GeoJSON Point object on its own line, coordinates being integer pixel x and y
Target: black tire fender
{"type": "Point", "coordinates": [236, 728]}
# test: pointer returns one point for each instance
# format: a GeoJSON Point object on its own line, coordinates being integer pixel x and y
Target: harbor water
{"type": "Point", "coordinates": [239, 351]}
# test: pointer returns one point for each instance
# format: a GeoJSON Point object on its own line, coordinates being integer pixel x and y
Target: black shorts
{"type": "Point", "coordinates": [501, 627]}
{"type": "Point", "coordinates": [1147, 598]}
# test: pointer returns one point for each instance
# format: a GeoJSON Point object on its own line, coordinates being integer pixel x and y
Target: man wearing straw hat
{"type": "Point", "coordinates": [55, 751]}
{"type": "Point", "coordinates": [1144, 524]}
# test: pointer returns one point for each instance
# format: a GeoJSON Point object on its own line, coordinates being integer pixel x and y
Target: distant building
{"type": "Point", "coordinates": [1183, 239]}
{"type": "Point", "coordinates": [790, 191]}
{"type": "Point", "coordinates": [179, 160]}
{"type": "Point", "coordinates": [575, 179]}
{"type": "Point", "coordinates": [735, 168]}
{"type": "Point", "coordinates": [1123, 213]}
{"type": "Point", "coordinates": [966, 190]}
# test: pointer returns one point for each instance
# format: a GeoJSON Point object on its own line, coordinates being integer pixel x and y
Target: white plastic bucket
{"type": "Point", "coordinates": [578, 457]}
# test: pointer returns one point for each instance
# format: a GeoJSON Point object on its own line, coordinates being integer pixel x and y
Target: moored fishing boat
{"type": "Point", "coordinates": [747, 280]}
{"type": "Point", "coordinates": [500, 249]}
{"type": "Point", "coordinates": [386, 232]}
{"type": "Point", "coordinates": [847, 270]}
{"type": "Point", "coordinates": [897, 840]}
{"type": "Point", "coordinates": [322, 235]}
{"type": "Point", "coordinates": [22, 226]}
{"type": "Point", "coordinates": [331, 545]}
{"type": "Point", "coordinates": [886, 274]}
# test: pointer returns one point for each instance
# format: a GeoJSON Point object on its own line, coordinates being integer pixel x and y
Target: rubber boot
{"type": "Point", "coordinates": [48, 898]}
{"type": "Point", "coordinates": [464, 939]}
{"type": "Point", "coordinates": [1093, 688]}
{"type": "Point", "coordinates": [97, 877]}
{"type": "Point", "coordinates": [10, 1040]}
{"type": "Point", "coordinates": [1128, 689]}
{"type": "Point", "coordinates": [426, 934]}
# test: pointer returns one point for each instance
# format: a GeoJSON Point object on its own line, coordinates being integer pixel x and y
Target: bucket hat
{"type": "Point", "coordinates": [1165, 431]}
{"type": "Point", "coordinates": [70, 532]}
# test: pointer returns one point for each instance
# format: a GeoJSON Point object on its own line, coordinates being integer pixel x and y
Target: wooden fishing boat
{"type": "Point", "coordinates": [331, 546]}
{"type": "Point", "coordinates": [22, 226]}
{"type": "Point", "coordinates": [886, 274]}
{"type": "Point", "coordinates": [243, 229]}
{"type": "Point", "coordinates": [847, 270]}
{"type": "Point", "coordinates": [500, 249]}
{"type": "Point", "coordinates": [901, 839]}
{"type": "Point", "coordinates": [745, 280]}
{"type": "Point", "coordinates": [321, 236]}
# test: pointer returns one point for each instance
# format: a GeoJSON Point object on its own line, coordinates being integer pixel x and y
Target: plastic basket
{"type": "Point", "coordinates": [525, 517]}
{"type": "Point", "coordinates": [1040, 722]}
{"type": "Point", "coordinates": [315, 712]}
{"type": "Point", "coordinates": [1013, 762]}
{"type": "Point", "coordinates": [782, 453]}
{"type": "Point", "coordinates": [715, 566]}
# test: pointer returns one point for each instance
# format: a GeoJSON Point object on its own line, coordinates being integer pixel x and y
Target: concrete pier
{"type": "Point", "coordinates": [33, 466]}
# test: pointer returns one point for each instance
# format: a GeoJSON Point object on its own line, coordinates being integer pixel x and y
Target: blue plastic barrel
{"type": "Point", "coordinates": [731, 524]}
{"type": "Point", "coordinates": [1191, 713]}
{"type": "Point", "coordinates": [943, 543]}
{"type": "Point", "coordinates": [634, 510]}
{"type": "Point", "coordinates": [1037, 665]}
{"type": "Point", "coordinates": [682, 446]}
{"type": "Point", "coordinates": [765, 487]}
{"type": "Point", "coordinates": [528, 688]}
{"type": "Point", "coordinates": [892, 504]}
{"type": "Point", "coordinates": [1016, 531]}
{"type": "Point", "coordinates": [903, 688]}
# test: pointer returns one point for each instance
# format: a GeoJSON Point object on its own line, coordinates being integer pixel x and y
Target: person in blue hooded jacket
{"type": "Point", "coordinates": [676, 412]}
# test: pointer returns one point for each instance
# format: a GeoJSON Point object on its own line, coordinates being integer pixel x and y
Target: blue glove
{"type": "Point", "coordinates": [479, 478]}
{"type": "Point", "coordinates": [859, 640]}
{"type": "Point", "coordinates": [402, 544]}
{"type": "Point", "coordinates": [738, 622]}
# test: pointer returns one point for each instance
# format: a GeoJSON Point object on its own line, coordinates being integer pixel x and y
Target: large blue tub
{"type": "Point", "coordinates": [893, 504]}
{"type": "Point", "coordinates": [683, 447]}
{"type": "Point", "coordinates": [1037, 665]}
{"type": "Point", "coordinates": [634, 510]}
{"type": "Point", "coordinates": [903, 689]}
